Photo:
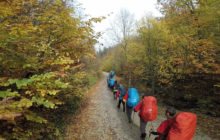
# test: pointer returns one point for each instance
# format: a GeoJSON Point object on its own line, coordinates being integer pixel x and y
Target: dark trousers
{"type": "Point", "coordinates": [111, 87]}
{"type": "Point", "coordinates": [143, 125]}
{"type": "Point", "coordinates": [115, 95]}
{"type": "Point", "coordinates": [119, 104]}
{"type": "Point", "coordinates": [129, 112]}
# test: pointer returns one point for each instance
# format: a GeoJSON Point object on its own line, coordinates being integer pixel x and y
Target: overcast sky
{"type": "Point", "coordinates": [96, 8]}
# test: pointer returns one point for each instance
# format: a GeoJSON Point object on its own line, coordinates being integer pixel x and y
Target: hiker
{"type": "Point", "coordinates": [121, 93]}
{"type": "Point", "coordinates": [111, 83]}
{"type": "Point", "coordinates": [131, 98]}
{"type": "Point", "coordinates": [147, 112]}
{"type": "Point", "coordinates": [164, 127]}
{"type": "Point", "coordinates": [183, 126]}
{"type": "Point", "coordinates": [112, 73]}
{"type": "Point", "coordinates": [115, 89]}
{"type": "Point", "coordinates": [108, 78]}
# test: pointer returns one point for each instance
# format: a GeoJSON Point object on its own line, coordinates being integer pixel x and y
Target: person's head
{"type": "Point", "coordinates": [170, 112]}
{"type": "Point", "coordinates": [143, 95]}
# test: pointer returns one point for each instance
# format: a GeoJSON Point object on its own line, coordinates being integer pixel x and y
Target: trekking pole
{"type": "Point", "coordinates": [133, 116]}
{"type": "Point", "coordinates": [152, 128]}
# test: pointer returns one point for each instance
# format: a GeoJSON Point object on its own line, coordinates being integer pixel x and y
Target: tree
{"type": "Point", "coordinates": [41, 48]}
{"type": "Point", "coordinates": [122, 29]}
{"type": "Point", "coordinates": [177, 55]}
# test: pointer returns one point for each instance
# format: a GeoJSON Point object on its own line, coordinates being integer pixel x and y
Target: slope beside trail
{"type": "Point", "coordinates": [100, 119]}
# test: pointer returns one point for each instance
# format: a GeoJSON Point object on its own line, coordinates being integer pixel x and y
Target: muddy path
{"type": "Point", "coordinates": [100, 119]}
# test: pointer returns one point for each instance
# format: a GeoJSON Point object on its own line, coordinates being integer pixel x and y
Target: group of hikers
{"type": "Point", "coordinates": [179, 126]}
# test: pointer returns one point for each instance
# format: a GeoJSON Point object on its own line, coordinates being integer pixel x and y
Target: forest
{"type": "Point", "coordinates": [48, 60]}
{"type": "Point", "coordinates": [46, 55]}
{"type": "Point", "coordinates": [176, 57]}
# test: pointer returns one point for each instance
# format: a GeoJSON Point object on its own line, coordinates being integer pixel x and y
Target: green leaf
{"type": "Point", "coordinates": [19, 83]}
{"type": "Point", "coordinates": [49, 104]}
{"type": "Point", "coordinates": [53, 92]}
{"type": "Point", "coordinates": [26, 66]}
{"type": "Point", "coordinates": [8, 93]}
{"type": "Point", "coordinates": [61, 84]}
{"type": "Point", "coordinates": [42, 101]}
{"type": "Point", "coordinates": [25, 103]}
{"type": "Point", "coordinates": [33, 117]}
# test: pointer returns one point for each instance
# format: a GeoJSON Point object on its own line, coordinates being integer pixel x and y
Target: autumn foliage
{"type": "Point", "coordinates": [42, 43]}
{"type": "Point", "coordinates": [175, 56]}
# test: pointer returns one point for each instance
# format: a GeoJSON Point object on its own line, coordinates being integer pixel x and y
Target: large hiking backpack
{"type": "Point", "coordinates": [122, 92]}
{"type": "Point", "coordinates": [111, 82]}
{"type": "Point", "coordinates": [133, 97]}
{"type": "Point", "coordinates": [108, 76]}
{"type": "Point", "coordinates": [183, 127]}
{"type": "Point", "coordinates": [149, 109]}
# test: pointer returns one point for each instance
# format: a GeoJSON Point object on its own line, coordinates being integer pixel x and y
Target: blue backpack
{"type": "Point", "coordinates": [133, 97]}
{"type": "Point", "coordinates": [108, 76]}
{"type": "Point", "coordinates": [122, 92]}
{"type": "Point", "coordinates": [111, 82]}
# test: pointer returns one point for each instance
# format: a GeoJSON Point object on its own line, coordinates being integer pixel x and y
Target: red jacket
{"type": "Point", "coordinates": [126, 96]}
{"type": "Point", "coordinates": [164, 126]}
{"type": "Point", "coordinates": [118, 92]}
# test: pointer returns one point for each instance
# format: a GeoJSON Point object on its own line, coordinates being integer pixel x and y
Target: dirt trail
{"type": "Point", "coordinates": [101, 120]}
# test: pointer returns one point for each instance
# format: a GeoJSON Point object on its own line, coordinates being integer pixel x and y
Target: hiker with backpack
{"type": "Point", "coordinates": [121, 93]}
{"type": "Point", "coordinates": [111, 83]}
{"type": "Point", "coordinates": [147, 112]}
{"type": "Point", "coordinates": [115, 89]}
{"type": "Point", "coordinates": [112, 73]}
{"type": "Point", "coordinates": [108, 78]}
{"type": "Point", "coordinates": [183, 126]}
{"type": "Point", "coordinates": [131, 98]}
{"type": "Point", "coordinates": [164, 127]}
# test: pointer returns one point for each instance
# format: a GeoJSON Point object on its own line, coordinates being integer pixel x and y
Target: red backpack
{"type": "Point", "coordinates": [148, 110]}
{"type": "Point", "coordinates": [184, 126]}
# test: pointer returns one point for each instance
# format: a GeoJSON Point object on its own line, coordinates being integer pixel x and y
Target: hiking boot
{"type": "Point", "coordinates": [143, 135]}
